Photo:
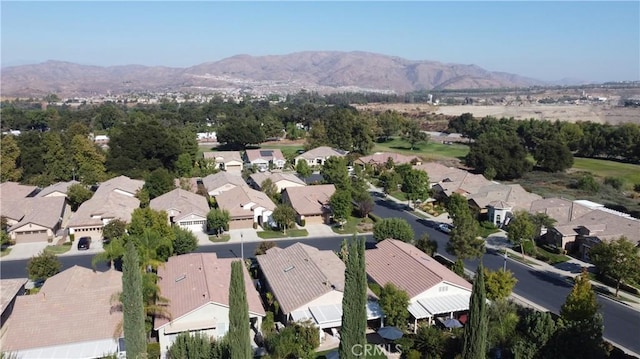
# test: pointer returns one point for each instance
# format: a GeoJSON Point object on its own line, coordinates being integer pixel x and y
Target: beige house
{"type": "Point", "coordinates": [311, 203]}
{"type": "Point", "coordinates": [72, 316]}
{"type": "Point", "coordinates": [246, 206]}
{"type": "Point", "coordinates": [222, 181]}
{"type": "Point", "coordinates": [434, 291]}
{"type": "Point", "coordinates": [197, 287]}
{"type": "Point", "coordinates": [184, 209]}
{"type": "Point", "coordinates": [500, 201]}
{"type": "Point", "coordinates": [463, 183]}
{"type": "Point", "coordinates": [318, 155]}
{"type": "Point", "coordinates": [263, 158]}
{"type": "Point", "coordinates": [11, 289]}
{"type": "Point", "coordinates": [43, 217]}
{"type": "Point", "coordinates": [309, 285]}
{"type": "Point", "coordinates": [13, 195]}
{"type": "Point", "coordinates": [279, 179]}
{"type": "Point", "coordinates": [381, 158]}
{"type": "Point", "coordinates": [114, 199]}
{"type": "Point", "coordinates": [56, 189]}
{"type": "Point", "coordinates": [230, 161]}
{"type": "Point", "coordinates": [439, 173]}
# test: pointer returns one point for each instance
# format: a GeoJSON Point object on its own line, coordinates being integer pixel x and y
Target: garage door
{"type": "Point", "coordinates": [314, 220]}
{"type": "Point", "coordinates": [233, 168]}
{"type": "Point", "coordinates": [241, 224]}
{"type": "Point", "coordinates": [31, 236]}
{"type": "Point", "coordinates": [194, 226]}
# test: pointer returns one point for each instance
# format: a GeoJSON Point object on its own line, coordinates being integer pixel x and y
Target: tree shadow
{"type": "Point", "coordinates": [551, 278]}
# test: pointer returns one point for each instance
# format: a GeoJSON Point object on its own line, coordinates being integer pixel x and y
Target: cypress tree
{"type": "Point", "coordinates": [354, 300]}
{"type": "Point", "coordinates": [475, 331]}
{"type": "Point", "coordinates": [240, 342]}
{"type": "Point", "coordinates": [132, 304]}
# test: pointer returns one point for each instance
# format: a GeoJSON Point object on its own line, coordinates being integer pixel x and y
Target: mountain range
{"type": "Point", "coordinates": [321, 71]}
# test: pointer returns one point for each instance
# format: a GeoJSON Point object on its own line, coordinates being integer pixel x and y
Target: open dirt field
{"type": "Point", "coordinates": [601, 113]}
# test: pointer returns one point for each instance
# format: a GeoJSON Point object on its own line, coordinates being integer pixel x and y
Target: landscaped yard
{"type": "Point", "coordinates": [430, 151]}
{"type": "Point", "coordinates": [354, 225]}
{"type": "Point", "coordinates": [269, 234]}
{"type": "Point", "coordinates": [630, 173]}
{"type": "Point", "coordinates": [223, 238]}
{"type": "Point", "coordinates": [64, 248]}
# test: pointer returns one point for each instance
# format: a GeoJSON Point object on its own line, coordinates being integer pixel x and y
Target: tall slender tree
{"type": "Point", "coordinates": [475, 331]}
{"type": "Point", "coordinates": [354, 300]}
{"type": "Point", "coordinates": [240, 342]}
{"type": "Point", "coordinates": [132, 304]}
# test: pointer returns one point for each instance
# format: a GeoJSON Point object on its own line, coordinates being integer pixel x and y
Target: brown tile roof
{"type": "Point", "coordinates": [513, 194]}
{"type": "Point", "coordinates": [73, 306]}
{"type": "Point", "coordinates": [220, 179]}
{"type": "Point", "coordinates": [180, 203]}
{"type": "Point", "coordinates": [560, 209]}
{"type": "Point", "coordinates": [439, 173]}
{"type": "Point", "coordinates": [267, 154]}
{"type": "Point", "coordinates": [393, 261]}
{"type": "Point", "coordinates": [466, 185]}
{"type": "Point", "coordinates": [223, 156]}
{"type": "Point", "coordinates": [10, 288]}
{"type": "Point", "coordinates": [309, 200]}
{"type": "Point", "coordinates": [43, 211]}
{"type": "Point", "coordinates": [300, 273]}
{"type": "Point", "coordinates": [105, 205]}
{"type": "Point", "coordinates": [242, 200]}
{"type": "Point", "coordinates": [12, 196]}
{"type": "Point", "coordinates": [190, 281]}
{"type": "Point", "coordinates": [606, 225]}
{"type": "Point", "coordinates": [120, 183]}
{"type": "Point", "coordinates": [275, 177]}
{"type": "Point", "coordinates": [321, 152]}
{"type": "Point", "coordinates": [61, 187]}
{"type": "Point", "coordinates": [380, 158]}
{"type": "Point", "coordinates": [15, 190]}
{"type": "Point", "coordinates": [191, 181]}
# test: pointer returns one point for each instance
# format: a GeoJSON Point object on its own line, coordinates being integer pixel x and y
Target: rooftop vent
{"type": "Point", "coordinates": [288, 269]}
{"type": "Point", "coordinates": [182, 277]}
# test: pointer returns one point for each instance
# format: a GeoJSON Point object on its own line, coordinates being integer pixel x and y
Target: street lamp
{"type": "Point", "coordinates": [241, 246]}
{"type": "Point", "coordinates": [504, 267]}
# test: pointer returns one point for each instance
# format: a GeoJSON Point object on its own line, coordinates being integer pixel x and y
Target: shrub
{"type": "Point", "coordinates": [72, 237]}
{"type": "Point", "coordinates": [636, 187]}
{"type": "Point", "coordinates": [303, 222]}
{"type": "Point", "coordinates": [153, 350]}
{"type": "Point", "coordinates": [375, 288]}
{"type": "Point", "coordinates": [614, 182]}
{"type": "Point", "coordinates": [374, 217]}
{"type": "Point", "coordinates": [488, 225]}
{"type": "Point", "coordinates": [588, 183]}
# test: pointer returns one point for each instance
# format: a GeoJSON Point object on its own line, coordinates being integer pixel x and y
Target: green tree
{"type": "Point", "coordinates": [413, 134]}
{"type": "Point", "coordinates": [317, 136]}
{"type": "Point", "coordinates": [335, 171]}
{"type": "Point", "coordinates": [389, 181]}
{"type": "Point", "coordinates": [297, 340]}
{"type": "Point", "coordinates": [541, 220]}
{"type": "Point", "coordinates": [581, 303]}
{"type": "Point", "coordinates": [263, 247]}
{"type": "Point", "coordinates": [415, 185]}
{"type": "Point", "coordinates": [503, 319]}
{"type": "Point", "coordinates": [394, 303]}
{"type": "Point", "coordinates": [341, 205]}
{"type": "Point", "coordinates": [521, 229]}
{"type": "Point", "coordinates": [588, 183]}
{"type": "Point", "coordinates": [390, 123]}
{"type": "Point", "coordinates": [43, 266]}
{"type": "Point", "coordinates": [464, 241]}
{"type": "Point", "coordinates": [147, 218]}
{"type": "Point", "coordinates": [499, 284]}
{"type": "Point", "coordinates": [185, 241]}
{"type": "Point", "coordinates": [427, 245]}
{"type": "Point", "coordinates": [10, 153]}
{"type": "Point", "coordinates": [303, 169]}
{"type": "Point", "coordinates": [143, 196]}
{"type": "Point", "coordinates": [132, 304]}
{"type": "Point", "coordinates": [184, 165]}
{"type": "Point", "coordinates": [430, 341]}
{"type": "Point", "coordinates": [218, 220]}
{"type": "Point", "coordinates": [113, 252]}
{"type": "Point", "coordinates": [490, 173]}
{"type": "Point", "coordinates": [618, 259]}
{"type": "Point", "coordinates": [58, 164]}
{"type": "Point", "coordinates": [159, 182]}
{"type": "Point", "coordinates": [285, 216]}
{"type": "Point", "coordinates": [458, 267]}
{"type": "Point", "coordinates": [78, 194]}
{"type": "Point", "coordinates": [116, 228]}
{"type": "Point", "coordinates": [503, 151]}
{"type": "Point", "coordinates": [240, 133]}
{"type": "Point", "coordinates": [188, 346]}
{"type": "Point", "coordinates": [240, 342]}
{"type": "Point", "coordinates": [362, 134]}
{"type": "Point", "coordinates": [88, 160]}
{"type": "Point", "coordinates": [396, 228]}
{"type": "Point", "coordinates": [536, 329]}
{"type": "Point", "coordinates": [272, 127]}
{"type": "Point", "coordinates": [343, 253]}
{"type": "Point", "coordinates": [354, 300]}
{"type": "Point", "coordinates": [364, 203]}
{"type": "Point", "coordinates": [475, 331]}
{"type": "Point", "coordinates": [553, 155]}
{"type": "Point", "coordinates": [270, 189]}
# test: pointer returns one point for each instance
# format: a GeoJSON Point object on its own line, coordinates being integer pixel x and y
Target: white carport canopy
{"type": "Point", "coordinates": [90, 349]}
{"type": "Point", "coordinates": [330, 316]}
{"type": "Point", "coordinates": [429, 307]}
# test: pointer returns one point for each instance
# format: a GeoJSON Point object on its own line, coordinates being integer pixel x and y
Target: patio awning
{"type": "Point", "coordinates": [330, 315]}
{"type": "Point", "coordinates": [429, 307]}
{"type": "Point", "coordinates": [301, 315]}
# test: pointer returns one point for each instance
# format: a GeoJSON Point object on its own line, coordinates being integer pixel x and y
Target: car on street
{"type": "Point", "coordinates": [445, 228]}
{"type": "Point", "coordinates": [84, 243]}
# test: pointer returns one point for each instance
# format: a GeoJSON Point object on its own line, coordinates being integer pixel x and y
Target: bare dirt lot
{"type": "Point", "coordinates": [601, 113]}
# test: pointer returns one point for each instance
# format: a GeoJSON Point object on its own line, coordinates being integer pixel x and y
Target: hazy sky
{"type": "Point", "coordinates": [593, 41]}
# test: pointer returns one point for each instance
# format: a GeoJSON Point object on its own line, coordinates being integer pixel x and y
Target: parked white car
{"type": "Point", "coordinates": [445, 228]}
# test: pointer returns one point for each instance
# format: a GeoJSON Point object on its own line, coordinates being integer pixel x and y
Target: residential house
{"type": "Point", "coordinates": [184, 209]}
{"type": "Point", "coordinates": [222, 181]}
{"type": "Point", "coordinates": [11, 288]}
{"type": "Point", "coordinates": [308, 284]}
{"type": "Point", "coordinates": [439, 173]}
{"type": "Point", "coordinates": [247, 207]}
{"type": "Point", "coordinates": [381, 158]}
{"type": "Point", "coordinates": [114, 199]}
{"type": "Point", "coordinates": [318, 155]}
{"type": "Point", "coordinates": [434, 290]}
{"type": "Point", "coordinates": [13, 194]}
{"type": "Point", "coordinates": [43, 217]}
{"type": "Point", "coordinates": [197, 288]}
{"type": "Point", "coordinates": [230, 161]}
{"type": "Point", "coordinates": [72, 316]}
{"type": "Point", "coordinates": [499, 201]}
{"type": "Point", "coordinates": [279, 179]}
{"type": "Point", "coordinates": [56, 189]}
{"type": "Point", "coordinates": [561, 210]}
{"type": "Point", "coordinates": [265, 158]}
{"type": "Point", "coordinates": [462, 183]}
{"type": "Point", "coordinates": [311, 203]}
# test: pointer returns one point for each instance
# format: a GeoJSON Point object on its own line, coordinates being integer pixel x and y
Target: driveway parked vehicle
{"type": "Point", "coordinates": [445, 228]}
{"type": "Point", "coordinates": [84, 243]}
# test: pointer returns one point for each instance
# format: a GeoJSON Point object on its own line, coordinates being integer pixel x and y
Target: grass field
{"type": "Point", "coordinates": [64, 248]}
{"type": "Point", "coordinates": [5, 252]}
{"type": "Point", "coordinates": [429, 151]}
{"type": "Point", "coordinates": [630, 173]}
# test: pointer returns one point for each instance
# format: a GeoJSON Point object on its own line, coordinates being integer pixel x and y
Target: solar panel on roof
{"type": "Point", "coordinates": [266, 153]}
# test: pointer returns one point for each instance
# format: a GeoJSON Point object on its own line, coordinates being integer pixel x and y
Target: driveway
{"type": "Point", "coordinates": [25, 250]}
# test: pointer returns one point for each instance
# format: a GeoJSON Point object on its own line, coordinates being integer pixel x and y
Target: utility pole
{"type": "Point", "coordinates": [241, 246]}
{"type": "Point", "coordinates": [504, 267]}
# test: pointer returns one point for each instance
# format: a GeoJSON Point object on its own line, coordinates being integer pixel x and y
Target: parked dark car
{"type": "Point", "coordinates": [84, 243]}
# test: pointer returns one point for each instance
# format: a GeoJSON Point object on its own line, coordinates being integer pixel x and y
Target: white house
{"type": "Point", "coordinates": [263, 158]}
{"type": "Point", "coordinates": [230, 161]}
{"type": "Point", "coordinates": [318, 155]}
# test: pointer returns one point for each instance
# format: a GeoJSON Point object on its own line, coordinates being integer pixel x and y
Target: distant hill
{"type": "Point", "coordinates": [321, 71]}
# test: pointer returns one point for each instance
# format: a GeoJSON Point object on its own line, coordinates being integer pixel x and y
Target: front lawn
{"type": "Point", "coordinates": [269, 234]}
{"type": "Point", "coordinates": [223, 238]}
{"type": "Point", "coordinates": [354, 225]}
{"type": "Point", "coordinates": [64, 248]}
{"type": "Point", "coordinates": [5, 251]}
